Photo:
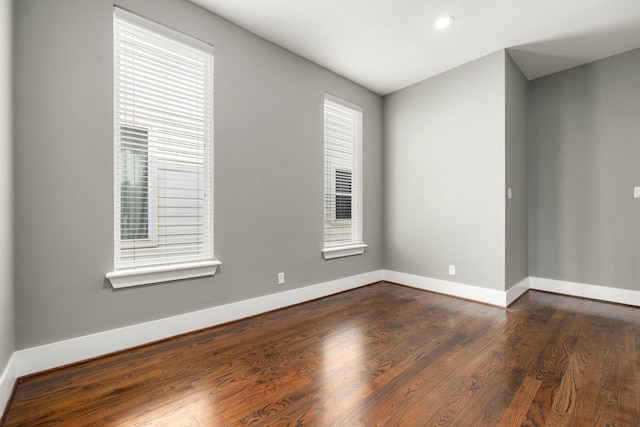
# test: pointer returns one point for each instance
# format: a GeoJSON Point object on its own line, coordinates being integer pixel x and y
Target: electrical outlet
{"type": "Point", "coordinates": [280, 278]}
{"type": "Point", "coordinates": [509, 193]}
{"type": "Point", "coordinates": [636, 192]}
{"type": "Point", "coordinates": [452, 270]}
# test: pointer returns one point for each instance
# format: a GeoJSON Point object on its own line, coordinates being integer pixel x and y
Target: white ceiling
{"type": "Point", "coordinates": [385, 45]}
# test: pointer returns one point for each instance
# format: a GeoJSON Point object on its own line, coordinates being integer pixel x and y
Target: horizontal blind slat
{"type": "Point", "coordinates": [341, 134]}
{"type": "Point", "coordinates": [163, 119]}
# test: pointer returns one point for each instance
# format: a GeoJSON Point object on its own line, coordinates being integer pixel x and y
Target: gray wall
{"type": "Point", "coordinates": [584, 160]}
{"type": "Point", "coordinates": [6, 189]}
{"type": "Point", "coordinates": [445, 175]}
{"type": "Point", "coordinates": [516, 243]}
{"type": "Point", "coordinates": [268, 170]}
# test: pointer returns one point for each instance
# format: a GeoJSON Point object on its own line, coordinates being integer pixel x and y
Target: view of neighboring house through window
{"type": "Point", "coordinates": [343, 194]}
{"type": "Point", "coordinates": [163, 150]}
{"type": "Point", "coordinates": [134, 184]}
{"type": "Point", "coordinates": [342, 178]}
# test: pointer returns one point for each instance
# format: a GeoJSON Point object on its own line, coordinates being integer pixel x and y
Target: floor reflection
{"type": "Point", "coordinates": [345, 379]}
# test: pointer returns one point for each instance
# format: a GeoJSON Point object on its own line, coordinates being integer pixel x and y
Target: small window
{"type": "Point", "coordinates": [343, 181]}
{"type": "Point", "coordinates": [163, 153]}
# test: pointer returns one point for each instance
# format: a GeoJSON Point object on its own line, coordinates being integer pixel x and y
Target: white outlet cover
{"type": "Point", "coordinates": [452, 270]}
{"type": "Point", "coordinates": [636, 192]}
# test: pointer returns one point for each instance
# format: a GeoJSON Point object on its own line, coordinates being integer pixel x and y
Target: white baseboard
{"type": "Point", "coordinates": [460, 290]}
{"type": "Point", "coordinates": [517, 290]}
{"type": "Point", "coordinates": [73, 350]}
{"type": "Point", "coordinates": [36, 359]}
{"type": "Point", "coordinates": [602, 293]}
{"type": "Point", "coordinates": [7, 381]}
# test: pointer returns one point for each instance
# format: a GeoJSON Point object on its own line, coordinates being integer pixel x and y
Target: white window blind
{"type": "Point", "coordinates": [342, 175]}
{"type": "Point", "coordinates": [163, 145]}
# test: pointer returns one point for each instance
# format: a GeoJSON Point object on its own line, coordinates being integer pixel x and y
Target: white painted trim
{"type": "Point", "coordinates": [517, 290]}
{"type": "Point", "coordinates": [73, 350]}
{"type": "Point", "coordinates": [342, 251]}
{"type": "Point", "coordinates": [602, 293]}
{"type": "Point", "coordinates": [163, 273]}
{"type": "Point", "coordinates": [7, 381]}
{"type": "Point", "coordinates": [36, 359]}
{"type": "Point", "coordinates": [460, 290]}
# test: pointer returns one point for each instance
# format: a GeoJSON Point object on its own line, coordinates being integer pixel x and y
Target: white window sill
{"type": "Point", "coordinates": [342, 251]}
{"type": "Point", "coordinates": [164, 273]}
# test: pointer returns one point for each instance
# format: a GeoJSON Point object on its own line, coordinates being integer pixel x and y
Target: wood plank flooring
{"type": "Point", "coordinates": [379, 355]}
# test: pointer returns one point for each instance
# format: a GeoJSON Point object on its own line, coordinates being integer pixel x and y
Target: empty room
{"type": "Point", "coordinates": [323, 213]}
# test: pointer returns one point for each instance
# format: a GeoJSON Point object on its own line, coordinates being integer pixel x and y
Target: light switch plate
{"type": "Point", "coordinates": [509, 193]}
{"type": "Point", "coordinates": [636, 192]}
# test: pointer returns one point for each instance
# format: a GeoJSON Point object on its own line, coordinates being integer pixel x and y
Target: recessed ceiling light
{"type": "Point", "coordinates": [444, 22]}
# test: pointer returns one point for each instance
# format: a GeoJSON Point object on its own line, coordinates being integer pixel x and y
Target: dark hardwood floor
{"type": "Point", "coordinates": [379, 355]}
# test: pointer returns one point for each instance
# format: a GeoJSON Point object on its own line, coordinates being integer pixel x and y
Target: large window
{"type": "Point", "coordinates": [163, 153]}
{"type": "Point", "coordinates": [342, 179]}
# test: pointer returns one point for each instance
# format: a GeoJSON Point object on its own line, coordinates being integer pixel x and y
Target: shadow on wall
{"type": "Point", "coordinates": [582, 142]}
{"type": "Point", "coordinates": [548, 56]}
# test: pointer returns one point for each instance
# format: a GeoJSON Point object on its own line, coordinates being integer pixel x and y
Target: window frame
{"type": "Point", "coordinates": [355, 245]}
{"type": "Point", "coordinates": [203, 262]}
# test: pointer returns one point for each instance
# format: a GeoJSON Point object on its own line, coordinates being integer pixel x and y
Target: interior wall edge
{"type": "Point", "coordinates": [7, 383]}
{"type": "Point", "coordinates": [459, 290]}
